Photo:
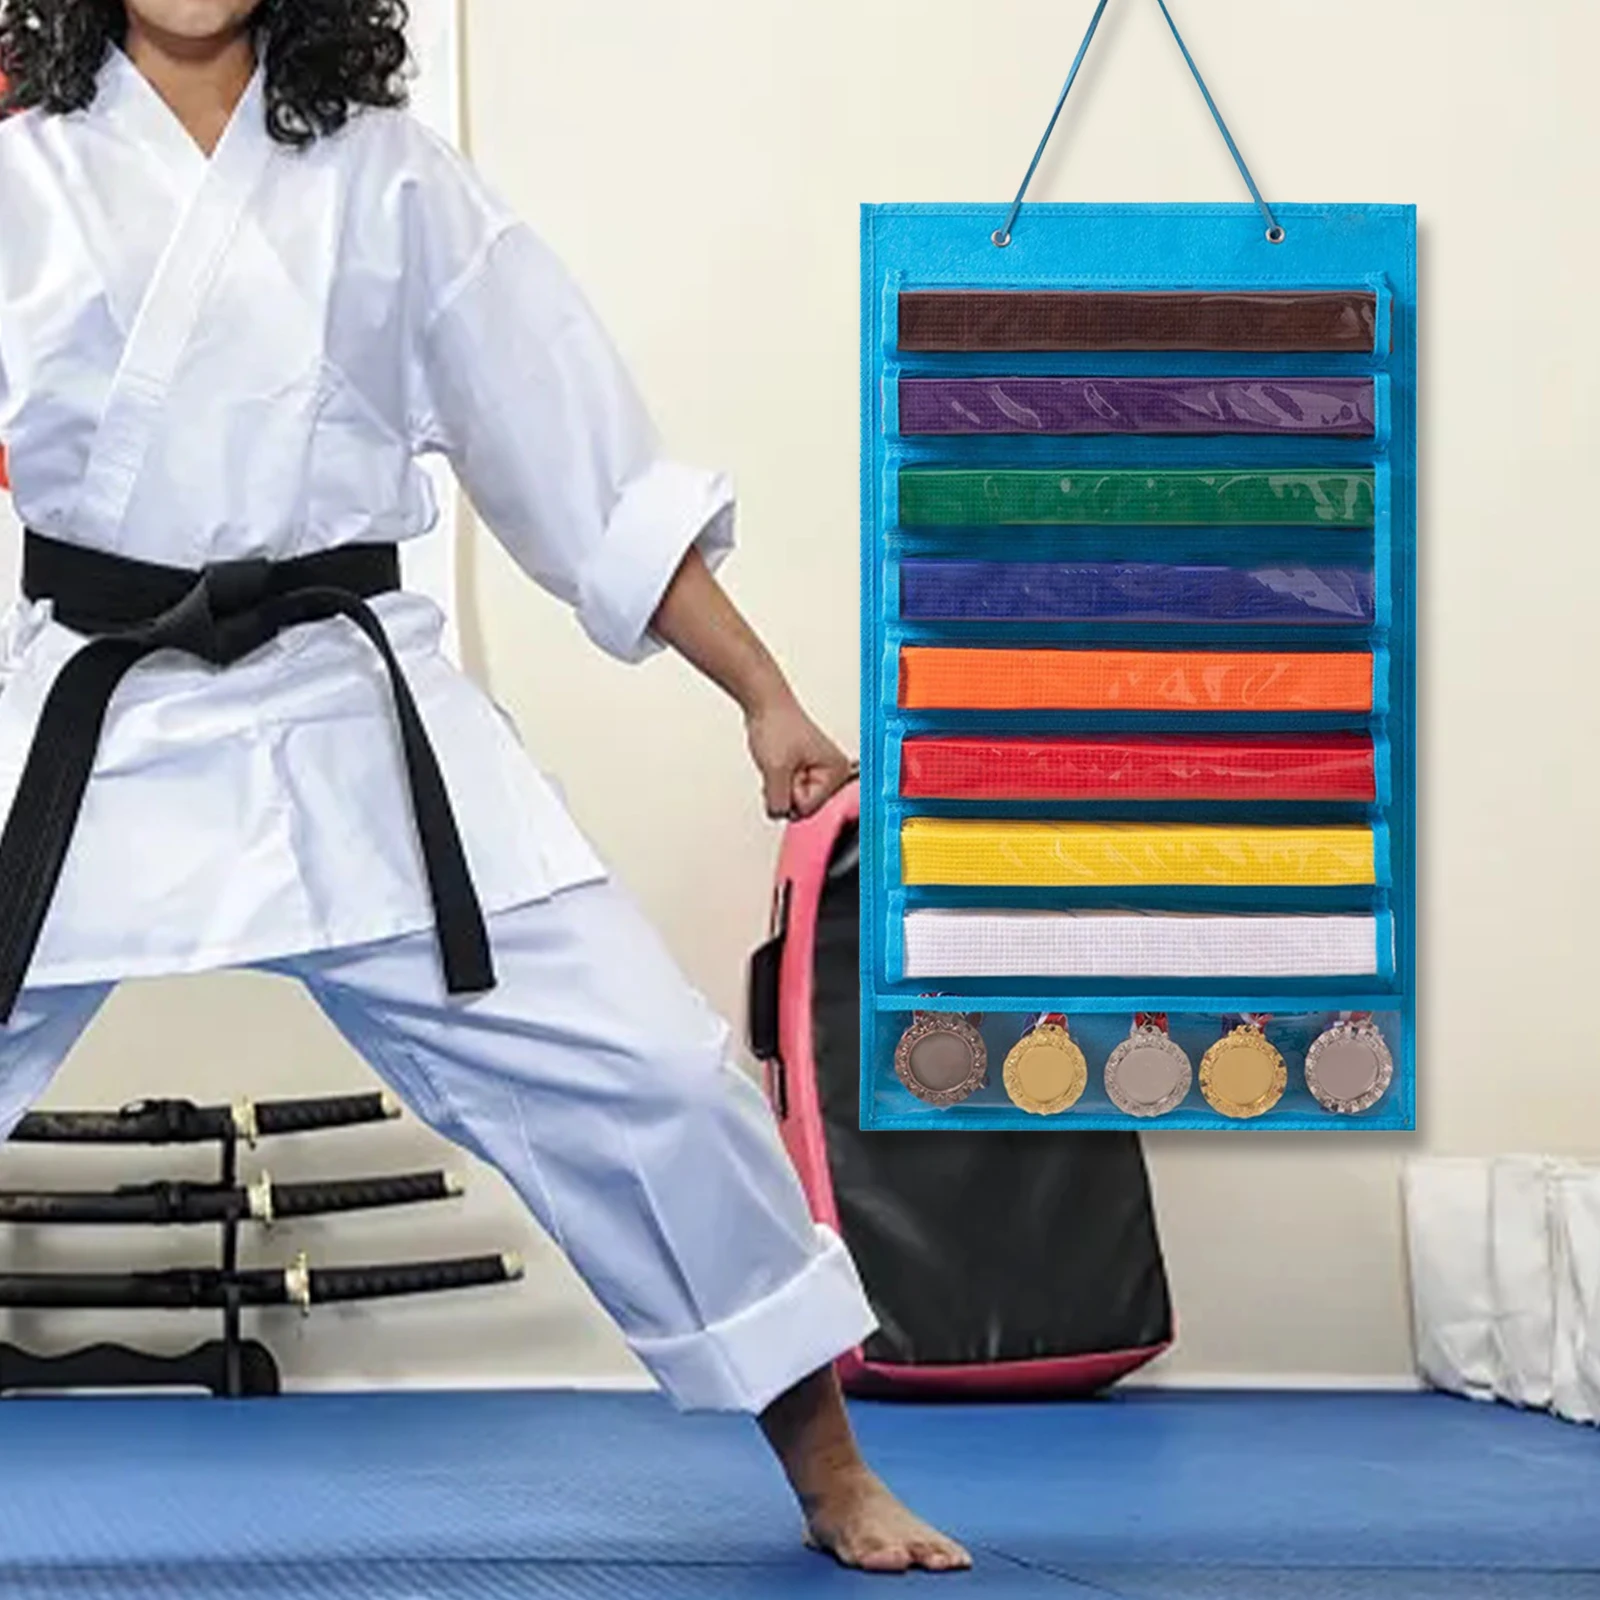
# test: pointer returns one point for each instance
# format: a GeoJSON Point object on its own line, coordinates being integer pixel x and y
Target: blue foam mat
{"type": "Point", "coordinates": [490, 1496]}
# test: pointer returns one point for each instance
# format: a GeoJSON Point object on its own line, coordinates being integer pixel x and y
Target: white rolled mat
{"type": "Point", "coordinates": [1448, 1245]}
{"type": "Point", "coordinates": [1081, 944]}
{"type": "Point", "coordinates": [1522, 1277]}
{"type": "Point", "coordinates": [1504, 1253]}
{"type": "Point", "coordinates": [1575, 1379]}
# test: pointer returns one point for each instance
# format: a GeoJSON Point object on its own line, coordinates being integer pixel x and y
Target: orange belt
{"type": "Point", "coordinates": [933, 678]}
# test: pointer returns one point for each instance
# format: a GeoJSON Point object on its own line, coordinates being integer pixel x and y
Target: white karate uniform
{"type": "Point", "coordinates": [249, 356]}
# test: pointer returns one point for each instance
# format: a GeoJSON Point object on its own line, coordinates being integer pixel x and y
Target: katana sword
{"type": "Point", "coordinates": [156, 1122]}
{"type": "Point", "coordinates": [299, 1284]}
{"type": "Point", "coordinates": [179, 1204]}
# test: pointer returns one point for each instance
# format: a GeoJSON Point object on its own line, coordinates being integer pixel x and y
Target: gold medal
{"type": "Point", "coordinates": [1045, 1071]}
{"type": "Point", "coordinates": [941, 1058]}
{"type": "Point", "coordinates": [1149, 1074]}
{"type": "Point", "coordinates": [1242, 1074]}
{"type": "Point", "coordinates": [1349, 1069]}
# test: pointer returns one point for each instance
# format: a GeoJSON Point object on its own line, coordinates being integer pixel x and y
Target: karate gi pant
{"type": "Point", "coordinates": [604, 1088]}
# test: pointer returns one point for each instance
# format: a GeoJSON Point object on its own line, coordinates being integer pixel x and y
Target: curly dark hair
{"type": "Point", "coordinates": [323, 58]}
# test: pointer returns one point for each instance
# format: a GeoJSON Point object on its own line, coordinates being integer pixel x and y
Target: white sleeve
{"type": "Point", "coordinates": [528, 398]}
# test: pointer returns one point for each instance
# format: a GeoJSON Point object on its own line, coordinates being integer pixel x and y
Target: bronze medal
{"type": "Point", "coordinates": [941, 1058]}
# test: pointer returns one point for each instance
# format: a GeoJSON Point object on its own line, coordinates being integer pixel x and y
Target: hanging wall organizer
{"type": "Point", "coordinates": [1138, 671]}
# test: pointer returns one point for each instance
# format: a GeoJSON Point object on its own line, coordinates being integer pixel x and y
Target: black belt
{"type": "Point", "coordinates": [221, 614]}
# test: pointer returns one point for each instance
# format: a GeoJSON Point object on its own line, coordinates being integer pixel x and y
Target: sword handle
{"type": "Point", "coordinates": [362, 1194]}
{"type": "Point", "coordinates": [331, 1111]}
{"type": "Point", "coordinates": [333, 1284]}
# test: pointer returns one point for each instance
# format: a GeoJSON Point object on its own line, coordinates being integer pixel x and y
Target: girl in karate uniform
{"type": "Point", "coordinates": [242, 297]}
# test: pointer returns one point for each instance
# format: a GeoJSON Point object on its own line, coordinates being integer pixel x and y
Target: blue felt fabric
{"type": "Point", "coordinates": [1130, 248]}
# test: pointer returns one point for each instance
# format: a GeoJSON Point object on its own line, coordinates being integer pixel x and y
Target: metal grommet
{"type": "Point", "coordinates": [999, 238]}
{"type": "Point", "coordinates": [1275, 235]}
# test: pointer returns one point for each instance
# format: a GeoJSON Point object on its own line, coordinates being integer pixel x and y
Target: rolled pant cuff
{"type": "Point", "coordinates": [746, 1361]}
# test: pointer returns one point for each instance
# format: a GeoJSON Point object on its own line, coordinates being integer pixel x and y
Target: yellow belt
{"type": "Point", "coordinates": [1066, 854]}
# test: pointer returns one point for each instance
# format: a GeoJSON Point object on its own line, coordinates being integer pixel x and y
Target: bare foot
{"type": "Point", "coordinates": [850, 1513]}
{"type": "Point", "coordinates": [861, 1524]}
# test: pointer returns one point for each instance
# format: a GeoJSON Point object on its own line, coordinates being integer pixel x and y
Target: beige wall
{"type": "Point", "coordinates": [697, 160]}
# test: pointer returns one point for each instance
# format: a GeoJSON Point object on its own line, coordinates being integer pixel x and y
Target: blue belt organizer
{"type": "Point", "coordinates": [1127, 745]}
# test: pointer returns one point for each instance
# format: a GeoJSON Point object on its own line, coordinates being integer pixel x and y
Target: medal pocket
{"type": "Point", "coordinates": [1088, 1066]}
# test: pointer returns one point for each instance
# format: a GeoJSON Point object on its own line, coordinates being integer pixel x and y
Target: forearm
{"type": "Point", "coordinates": [800, 765]}
{"type": "Point", "coordinates": [700, 622]}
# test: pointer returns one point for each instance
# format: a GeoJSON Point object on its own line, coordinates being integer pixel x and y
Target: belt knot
{"type": "Point", "coordinates": [225, 616]}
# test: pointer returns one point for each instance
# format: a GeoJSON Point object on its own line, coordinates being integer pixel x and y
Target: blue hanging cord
{"type": "Point", "coordinates": [1002, 235]}
{"type": "Point", "coordinates": [1274, 232]}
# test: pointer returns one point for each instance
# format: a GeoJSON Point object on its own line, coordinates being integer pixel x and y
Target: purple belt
{"type": "Point", "coordinates": [1330, 407]}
